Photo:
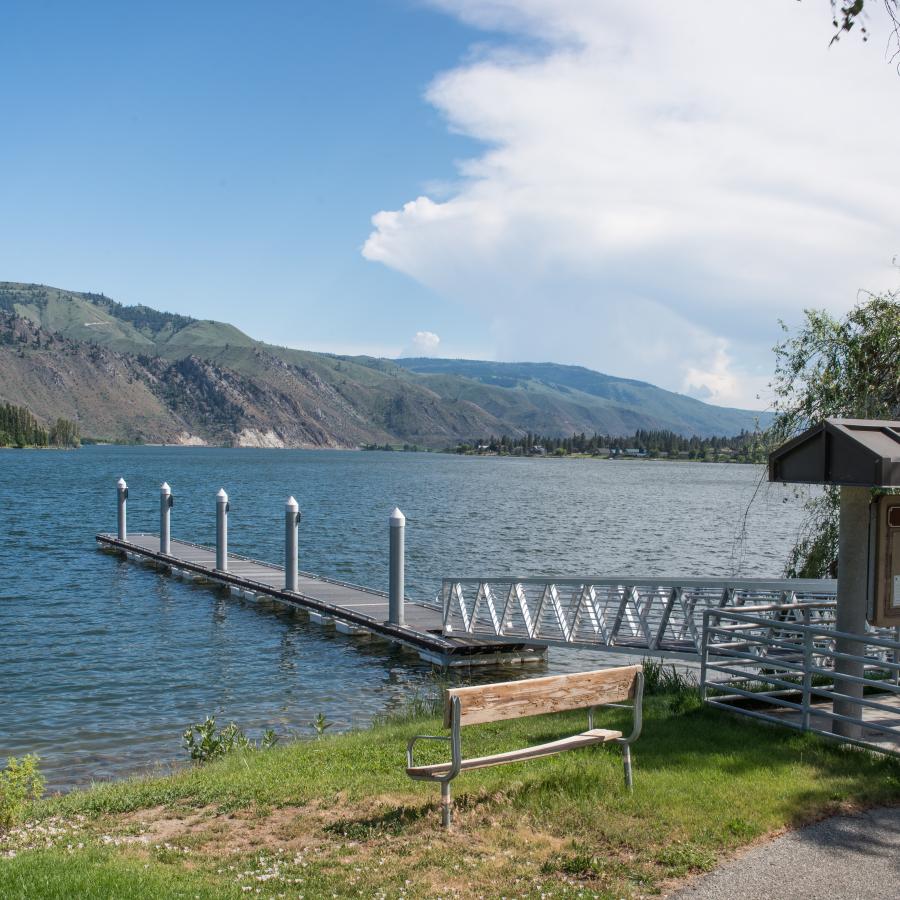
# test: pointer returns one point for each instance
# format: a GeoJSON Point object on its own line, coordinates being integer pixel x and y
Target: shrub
{"type": "Point", "coordinates": [20, 783]}
{"type": "Point", "coordinates": [204, 742]}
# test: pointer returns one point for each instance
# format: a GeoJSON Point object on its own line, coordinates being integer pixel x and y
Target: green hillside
{"type": "Point", "coordinates": [539, 390]}
{"type": "Point", "coordinates": [182, 379]}
{"type": "Point", "coordinates": [129, 329]}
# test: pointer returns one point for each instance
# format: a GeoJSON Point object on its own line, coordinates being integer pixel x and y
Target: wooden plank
{"type": "Point", "coordinates": [535, 696]}
{"type": "Point", "coordinates": [585, 739]}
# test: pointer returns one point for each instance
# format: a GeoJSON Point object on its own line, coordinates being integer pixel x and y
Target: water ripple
{"type": "Point", "coordinates": [104, 663]}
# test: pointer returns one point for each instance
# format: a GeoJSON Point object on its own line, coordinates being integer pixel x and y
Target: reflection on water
{"type": "Point", "coordinates": [104, 663]}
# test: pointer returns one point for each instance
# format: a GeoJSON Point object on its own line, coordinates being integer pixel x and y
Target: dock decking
{"type": "Point", "coordinates": [352, 609]}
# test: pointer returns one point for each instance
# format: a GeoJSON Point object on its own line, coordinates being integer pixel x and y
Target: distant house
{"type": "Point", "coordinates": [634, 451]}
{"type": "Point", "coordinates": [538, 450]}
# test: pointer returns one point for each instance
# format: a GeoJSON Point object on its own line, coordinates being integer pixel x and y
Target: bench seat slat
{"type": "Point", "coordinates": [585, 739]}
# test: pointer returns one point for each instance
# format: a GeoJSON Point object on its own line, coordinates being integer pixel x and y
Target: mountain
{"type": "Point", "coordinates": [137, 374]}
{"type": "Point", "coordinates": [556, 399]}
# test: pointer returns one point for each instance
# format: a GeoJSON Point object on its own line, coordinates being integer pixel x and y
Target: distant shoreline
{"type": "Point", "coordinates": [420, 450]}
{"type": "Point", "coordinates": [35, 447]}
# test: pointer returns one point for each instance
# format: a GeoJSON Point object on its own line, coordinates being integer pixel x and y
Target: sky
{"type": "Point", "coordinates": [644, 188]}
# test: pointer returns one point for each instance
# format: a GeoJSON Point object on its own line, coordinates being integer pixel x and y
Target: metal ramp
{"type": "Point", "coordinates": [662, 616]}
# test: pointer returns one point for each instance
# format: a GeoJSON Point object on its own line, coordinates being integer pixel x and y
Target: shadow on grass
{"type": "Point", "coordinates": [390, 822]}
{"type": "Point", "coordinates": [691, 760]}
{"type": "Point", "coordinates": [711, 755]}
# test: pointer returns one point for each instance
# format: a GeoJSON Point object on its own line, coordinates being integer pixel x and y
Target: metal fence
{"type": "Point", "coordinates": [777, 663]}
{"type": "Point", "coordinates": [658, 615]}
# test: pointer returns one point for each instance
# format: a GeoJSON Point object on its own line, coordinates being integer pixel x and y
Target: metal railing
{"type": "Point", "coordinates": [777, 663]}
{"type": "Point", "coordinates": [659, 615]}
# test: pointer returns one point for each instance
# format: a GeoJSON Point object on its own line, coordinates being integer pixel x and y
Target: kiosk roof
{"type": "Point", "coordinates": [862, 452]}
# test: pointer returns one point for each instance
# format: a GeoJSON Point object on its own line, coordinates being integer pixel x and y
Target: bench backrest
{"type": "Point", "coordinates": [533, 696]}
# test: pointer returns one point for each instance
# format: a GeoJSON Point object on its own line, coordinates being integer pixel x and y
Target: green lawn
{"type": "Point", "coordinates": [339, 817]}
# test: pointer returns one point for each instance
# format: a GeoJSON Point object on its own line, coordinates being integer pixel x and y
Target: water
{"type": "Point", "coordinates": [104, 663]}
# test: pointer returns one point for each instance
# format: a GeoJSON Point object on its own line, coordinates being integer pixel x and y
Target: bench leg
{"type": "Point", "coordinates": [626, 759]}
{"type": "Point", "coordinates": [446, 805]}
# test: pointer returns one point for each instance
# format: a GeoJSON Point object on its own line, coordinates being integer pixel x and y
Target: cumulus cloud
{"type": "Point", "coordinates": [659, 184]}
{"type": "Point", "coordinates": [425, 343]}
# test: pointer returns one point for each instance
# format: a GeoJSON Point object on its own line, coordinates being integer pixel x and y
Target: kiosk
{"type": "Point", "coordinates": [858, 455]}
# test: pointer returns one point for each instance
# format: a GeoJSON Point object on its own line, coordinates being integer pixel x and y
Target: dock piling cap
{"type": "Point", "coordinates": [164, 488]}
{"type": "Point", "coordinates": [397, 519]}
{"type": "Point", "coordinates": [222, 497]}
{"type": "Point", "coordinates": [292, 504]}
{"type": "Point", "coordinates": [121, 483]}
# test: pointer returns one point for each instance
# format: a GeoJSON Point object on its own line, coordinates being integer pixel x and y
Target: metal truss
{"type": "Point", "coordinates": [630, 614]}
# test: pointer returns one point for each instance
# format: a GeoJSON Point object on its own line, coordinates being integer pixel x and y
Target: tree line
{"type": "Point", "coordinates": [20, 428]}
{"type": "Point", "coordinates": [748, 446]}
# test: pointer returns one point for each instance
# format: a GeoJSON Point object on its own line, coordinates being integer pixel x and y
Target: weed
{"type": "Point", "coordinates": [583, 865]}
{"type": "Point", "coordinates": [679, 688]}
{"type": "Point", "coordinates": [320, 724]}
{"type": "Point", "coordinates": [427, 700]}
{"type": "Point", "coordinates": [662, 679]}
{"type": "Point", "coordinates": [682, 858]}
{"type": "Point", "coordinates": [20, 783]}
{"type": "Point", "coordinates": [205, 743]}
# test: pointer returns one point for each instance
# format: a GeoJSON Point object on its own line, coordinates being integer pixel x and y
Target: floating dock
{"type": "Point", "coordinates": [351, 609]}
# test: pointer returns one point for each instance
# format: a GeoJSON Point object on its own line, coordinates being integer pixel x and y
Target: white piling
{"type": "Point", "coordinates": [291, 523]}
{"type": "Point", "coordinates": [222, 508]}
{"type": "Point", "coordinates": [397, 567]}
{"type": "Point", "coordinates": [166, 502]}
{"type": "Point", "coordinates": [122, 494]}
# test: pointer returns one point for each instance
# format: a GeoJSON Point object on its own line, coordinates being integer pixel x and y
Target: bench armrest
{"type": "Point", "coordinates": [638, 719]}
{"type": "Point", "coordinates": [637, 708]}
{"type": "Point", "coordinates": [453, 739]}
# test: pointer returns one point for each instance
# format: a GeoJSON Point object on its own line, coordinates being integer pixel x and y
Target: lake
{"type": "Point", "coordinates": [104, 663]}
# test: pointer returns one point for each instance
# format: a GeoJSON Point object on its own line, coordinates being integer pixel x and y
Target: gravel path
{"type": "Point", "coordinates": [843, 858]}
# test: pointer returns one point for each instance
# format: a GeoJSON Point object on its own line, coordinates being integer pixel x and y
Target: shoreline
{"type": "Point", "coordinates": [338, 816]}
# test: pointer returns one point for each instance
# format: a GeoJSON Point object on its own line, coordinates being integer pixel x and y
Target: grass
{"type": "Point", "coordinates": [338, 817]}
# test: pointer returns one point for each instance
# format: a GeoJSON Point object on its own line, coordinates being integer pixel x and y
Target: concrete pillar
{"type": "Point", "coordinates": [853, 573]}
{"type": "Point", "coordinates": [397, 567]}
{"type": "Point", "coordinates": [222, 508]}
{"type": "Point", "coordinates": [291, 523]}
{"type": "Point", "coordinates": [122, 494]}
{"type": "Point", "coordinates": [166, 501]}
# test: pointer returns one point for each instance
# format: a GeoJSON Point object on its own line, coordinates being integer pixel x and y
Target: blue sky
{"type": "Point", "coordinates": [224, 159]}
{"type": "Point", "coordinates": [645, 188]}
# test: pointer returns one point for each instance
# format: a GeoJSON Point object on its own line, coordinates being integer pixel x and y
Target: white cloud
{"type": "Point", "coordinates": [660, 183]}
{"type": "Point", "coordinates": [425, 343]}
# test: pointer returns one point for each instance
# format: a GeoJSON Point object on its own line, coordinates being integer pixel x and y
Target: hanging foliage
{"type": "Point", "coordinates": [847, 368]}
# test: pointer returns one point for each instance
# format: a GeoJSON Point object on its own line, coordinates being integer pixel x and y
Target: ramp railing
{"type": "Point", "coordinates": [631, 614]}
{"type": "Point", "coordinates": [777, 663]}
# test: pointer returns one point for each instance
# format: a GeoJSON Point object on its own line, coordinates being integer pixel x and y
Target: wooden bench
{"type": "Point", "coordinates": [531, 697]}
